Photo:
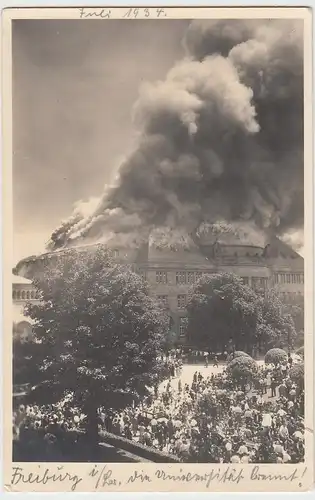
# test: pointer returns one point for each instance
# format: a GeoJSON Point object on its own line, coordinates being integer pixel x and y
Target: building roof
{"type": "Point", "coordinates": [192, 256]}
{"type": "Point", "coordinates": [19, 280]}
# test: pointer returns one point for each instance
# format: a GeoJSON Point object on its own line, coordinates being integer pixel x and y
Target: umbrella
{"type": "Point", "coordinates": [278, 448]}
{"type": "Point", "coordinates": [286, 457]}
{"type": "Point", "coordinates": [298, 434]}
{"type": "Point", "coordinates": [162, 419]}
{"type": "Point", "coordinates": [281, 412]}
{"type": "Point", "coordinates": [243, 450]}
{"type": "Point", "coordinates": [237, 409]}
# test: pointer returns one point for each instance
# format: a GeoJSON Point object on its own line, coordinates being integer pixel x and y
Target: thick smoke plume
{"type": "Point", "coordinates": [221, 139]}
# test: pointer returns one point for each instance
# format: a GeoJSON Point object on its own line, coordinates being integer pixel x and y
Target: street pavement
{"type": "Point", "coordinates": [188, 371]}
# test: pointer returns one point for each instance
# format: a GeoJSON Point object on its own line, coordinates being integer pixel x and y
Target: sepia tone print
{"type": "Point", "coordinates": [158, 275]}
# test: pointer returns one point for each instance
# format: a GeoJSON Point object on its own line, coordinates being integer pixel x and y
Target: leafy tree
{"type": "Point", "coordinates": [276, 326]}
{"type": "Point", "coordinates": [276, 356]}
{"type": "Point", "coordinates": [221, 309]}
{"type": "Point", "coordinates": [296, 309]}
{"type": "Point", "coordinates": [97, 331]}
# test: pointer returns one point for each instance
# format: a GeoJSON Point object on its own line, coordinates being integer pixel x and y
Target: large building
{"type": "Point", "coordinates": [171, 269]}
{"type": "Point", "coordinates": [22, 293]}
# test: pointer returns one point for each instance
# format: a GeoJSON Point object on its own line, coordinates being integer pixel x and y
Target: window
{"type": "Point", "coordinates": [198, 275]}
{"type": "Point", "coordinates": [180, 278]}
{"type": "Point", "coordinates": [260, 282]}
{"type": "Point", "coordinates": [302, 278]}
{"type": "Point", "coordinates": [191, 278]}
{"type": "Point", "coordinates": [28, 295]}
{"type": "Point", "coordinates": [181, 301]}
{"type": "Point", "coordinates": [282, 276]}
{"type": "Point", "coordinates": [298, 278]}
{"type": "Point", "coordinates": [23, 295]}
{"type": "Point", "coordinates": [161, 277]}
{"type": "Point", "coordinates": [182, 326]}
{"type": "Point", "coordinates": [163, 299]}
{"type": "Point", "coordinates": [288, 278]}
{"type": "Point", "coordinates": [13, 294]}
{"type": "Point", "coordinates": [115, 253]}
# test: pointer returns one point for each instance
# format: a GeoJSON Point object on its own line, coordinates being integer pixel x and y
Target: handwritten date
{"type": "Point", "coordinates": [131, 13]}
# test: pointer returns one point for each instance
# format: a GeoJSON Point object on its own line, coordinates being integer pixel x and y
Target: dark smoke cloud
{"type": "Point", "coordinates": [220, 139]}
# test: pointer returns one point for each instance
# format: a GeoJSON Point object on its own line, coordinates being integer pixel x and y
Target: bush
{"type": "Point", "coordinates": [297, 374]}
{"type": "Point", "coordinates": [300, 351]}
{"type": "Point", "coordinates": [237, 354]}
{"type": "Point", "coordinates": [275, 356]}
{"type": "Point", "coordinates": [242, 369]}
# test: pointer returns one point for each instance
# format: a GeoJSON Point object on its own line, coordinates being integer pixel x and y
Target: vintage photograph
{"type": "Point", "coordinates": [158, 241]}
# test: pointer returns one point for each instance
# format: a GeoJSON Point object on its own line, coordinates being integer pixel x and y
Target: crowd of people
{"type": "Point", "coordinates": [212, 419]}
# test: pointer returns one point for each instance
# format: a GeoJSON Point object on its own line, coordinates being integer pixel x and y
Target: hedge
{"type": "Point", "coordinates": [275, 356]}
{"type": "Point", "coordinates": [237, 354]}
{"type": "Point", "coordinates": [297, 373]}
{"type": "Point", "coordinates": [242, 368]}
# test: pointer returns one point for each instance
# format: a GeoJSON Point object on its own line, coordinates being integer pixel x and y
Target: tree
{"type": "Point", "coordinates": [221, 309]}
{"type": "Point", "coordinates": [99, 333]}
{"type": "Point", "coordinates": [276, 356]}
{"type": "Point", "coordinates": [296, 309]}
{"type": "Point", "coordinates": [276, 327]}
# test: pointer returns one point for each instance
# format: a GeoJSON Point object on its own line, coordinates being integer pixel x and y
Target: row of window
{"type": "Point", "coordinates": [24, 295]}
{"type": "Point", "coordinates": [296, 278]}
{"type": "Point", "coordinates": [181, 300]}
{"type": "Point", "coordinates": [191, 277]}
{"type": "Point", "coordinates": [259, 282]}
{"type": "Point", "coordinates": [291, 294]}
{"type": "Point", "coordinates": [182, 277]}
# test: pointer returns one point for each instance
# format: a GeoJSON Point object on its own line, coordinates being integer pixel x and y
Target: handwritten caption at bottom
{"type": "Point", "coordinates": [103, 477]}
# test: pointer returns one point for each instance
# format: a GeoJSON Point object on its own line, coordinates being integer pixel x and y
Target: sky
{"type": "Point", "coordinates": [74, 87]}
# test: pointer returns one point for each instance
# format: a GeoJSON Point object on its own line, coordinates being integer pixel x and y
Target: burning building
{"type": "Point", "coordinates": [172, 266]}
{"type": "Point", "coordinates": [216, 179]}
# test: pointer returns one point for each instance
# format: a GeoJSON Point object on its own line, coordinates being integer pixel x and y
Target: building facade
{"type": "Point", "coordinates": [22, 293]}
{"type": "Point", "coordinates": [170, 271]}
